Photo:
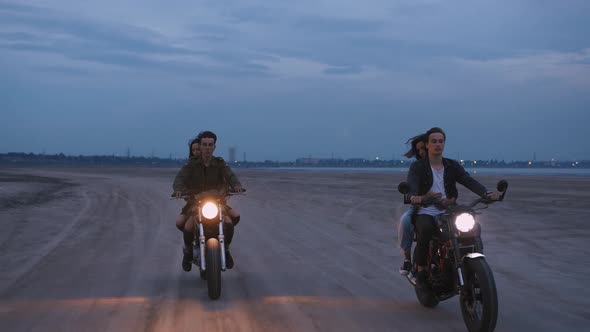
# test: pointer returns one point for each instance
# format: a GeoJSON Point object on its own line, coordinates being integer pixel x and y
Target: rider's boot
{"type": "Point", "coordinates": [235, 219]}
{"type": "Point", "coordinates": [187, 258]}
{"type": "Point", "coordinates": [229, 260]}
{"type": "Point", "coordinates": [406, 267]}
{"type": "Point", "coordinates": [187, 251]}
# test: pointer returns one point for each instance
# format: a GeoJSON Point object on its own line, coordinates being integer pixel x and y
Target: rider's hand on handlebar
{"type": "Point", "coordinates": [177, 194]}
{"type": "Point", "coordinates": [416, 199]}
{"type": "Point", "coordinates": [435, 196]}
{"type": "Point", "coordinates": [448, 201]}
{"type": "Point", "coordinates": [237, 188]}
{"type": "Point", "coordinates": [493, 196]}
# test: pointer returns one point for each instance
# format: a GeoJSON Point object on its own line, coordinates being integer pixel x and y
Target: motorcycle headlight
{"type": "Point", "coordinates": [465, 222]}
{"type": "Point", "coordinates": [209, 210]}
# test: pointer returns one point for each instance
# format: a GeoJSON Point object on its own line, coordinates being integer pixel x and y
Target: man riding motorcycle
{"type": "Point", "coordinates": [200, 174]}
{"type": "Point", "coordinates": [436, 177]}
{"type": "Point", "coordinates": [183, 217]}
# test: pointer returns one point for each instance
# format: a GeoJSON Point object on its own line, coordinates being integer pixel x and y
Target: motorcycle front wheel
{"type": "Point", "coordinates": [213, 270]}
{"type": "Point", "coordinates": [479, 301]}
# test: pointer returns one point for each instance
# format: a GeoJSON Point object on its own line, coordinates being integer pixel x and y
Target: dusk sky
{"type": "Point", "coordinates": [288, 79]}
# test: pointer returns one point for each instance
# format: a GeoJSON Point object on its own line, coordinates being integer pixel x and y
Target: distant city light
{"type": "Point", "coordinates": [475, 161]}
{"type": "Point", "coordinates": [530, 162]}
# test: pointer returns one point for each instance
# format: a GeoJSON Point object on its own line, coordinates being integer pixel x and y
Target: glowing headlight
{"type": "Point", "coordinates": [465, 222]}
{"type": "Point", "coordinates": [209, 210]}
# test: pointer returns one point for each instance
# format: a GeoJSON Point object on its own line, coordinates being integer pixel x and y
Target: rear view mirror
{"type": "Point", "coordinates": [403, 188]}
{"type": "Point", "coordinates": [502, 185]}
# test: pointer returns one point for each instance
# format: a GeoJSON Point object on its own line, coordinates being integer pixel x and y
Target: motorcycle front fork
{"type": "Point", "coordinates": [222, 243]}
{"type": "Point", "coordinates": [201, 247]}
{"type": "Point", "coordinates": [201, 252]}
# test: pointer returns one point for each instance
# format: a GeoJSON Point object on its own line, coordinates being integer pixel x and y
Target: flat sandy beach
{"type": "Point", "coordinates": [97, 250]}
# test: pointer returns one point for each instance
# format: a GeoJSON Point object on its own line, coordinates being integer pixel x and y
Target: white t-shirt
{"type": "Point", "coordinates": [438, 186]}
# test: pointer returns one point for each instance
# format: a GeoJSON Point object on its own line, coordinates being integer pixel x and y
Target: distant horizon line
{"type": "Point", "coordinates": [170, 158]}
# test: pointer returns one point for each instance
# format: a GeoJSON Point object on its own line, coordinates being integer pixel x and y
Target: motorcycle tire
{"type": "Point", "coordinates": [426, 297]}
{"type": "Point", "coordinates": [479, 281]}
{"type": "Point", "coordinates": [213, 271]}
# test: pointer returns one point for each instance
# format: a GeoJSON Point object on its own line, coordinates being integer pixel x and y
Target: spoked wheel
{"type": "Point", "coordinates": [479, 301]}
{"type": "Point", "coordinates": [213, 271]}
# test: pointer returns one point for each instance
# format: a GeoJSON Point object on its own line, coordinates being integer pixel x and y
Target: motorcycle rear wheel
{"type": "Point", "coordinates": [426, 297]}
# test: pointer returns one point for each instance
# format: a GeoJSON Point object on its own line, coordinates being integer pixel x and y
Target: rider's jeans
{"type": "Point", "coordinates": [425, 228]}
{"type": "Point", "coordinates": [405, 231]}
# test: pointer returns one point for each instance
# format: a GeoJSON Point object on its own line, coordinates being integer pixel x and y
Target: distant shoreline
{"type": "Point", "coordinates": [472, 171]}
{"type": "Point", "coordinates": [172, 169]}
{"type": "Point", "coordinates": [19, 159]}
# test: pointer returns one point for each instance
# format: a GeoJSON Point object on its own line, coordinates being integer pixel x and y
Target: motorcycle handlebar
{"type": "Point", "coordinates": [432, 201]}
{"type": "Point", "coordinates": [484, 200]}
{"type": "Point", "coordinates": [502, 188]}
{"type": "Point", "coordinates": [190, 194]}
{"type": "Point", "coordinates": [429, 201]}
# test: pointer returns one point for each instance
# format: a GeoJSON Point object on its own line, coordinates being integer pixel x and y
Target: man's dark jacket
{"type": "Point", "coordinates": [420, 179]}
{"type": "Point", "coordinates": [196, 177]}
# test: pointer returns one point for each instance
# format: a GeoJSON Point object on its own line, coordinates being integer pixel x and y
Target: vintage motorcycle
{"type": "Point", "coordinates": [209, 245]}
{"type": "Point", "coordinates": [456, 264]}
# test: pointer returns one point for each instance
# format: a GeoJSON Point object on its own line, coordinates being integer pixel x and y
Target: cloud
{"type": "Point", "coordinates": [571, 68]}
{"type": "Point", "coordinates": [11, 7]}
{"type": "Point", "coordinates": [62, 70]}
{"type": "Point", "coordinates": [336, 26]}
{"type": "Point", "coordinates": [384, 68]}
{"type": "Point", "coordinates": [343, 70]}
{"type": "Point", "coordinates": [34, 30]}
{"type": "Point", "coordinates": [214, 33]}
{"type": "Point", "coordinates": [255, 14]}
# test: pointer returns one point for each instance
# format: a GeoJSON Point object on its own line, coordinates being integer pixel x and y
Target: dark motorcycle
{"type": "Point", "coordinates": [209, 245]}
{"type": "Point", "coordinates": [456, 264]}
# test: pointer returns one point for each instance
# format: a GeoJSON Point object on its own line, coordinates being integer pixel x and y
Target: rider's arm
{"type": "Point", "coordinates": [470, 183]}
{"type": "Point", "coordinates": [179, 184]}
{"type": "Point", "coordinates": [413, 181]}
{"type": "Point", "coordinates": [230, 176]}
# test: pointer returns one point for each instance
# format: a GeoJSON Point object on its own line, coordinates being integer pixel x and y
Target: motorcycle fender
{"type": "Point", "coordinates": [473, 255]}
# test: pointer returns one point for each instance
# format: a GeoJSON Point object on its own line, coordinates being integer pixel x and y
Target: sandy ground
{"type": "Point", "coordinates": [97, 250]}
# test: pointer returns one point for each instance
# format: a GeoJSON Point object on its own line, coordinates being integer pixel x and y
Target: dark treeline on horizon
{"type": "Point", "coordinates": [26, 159]}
